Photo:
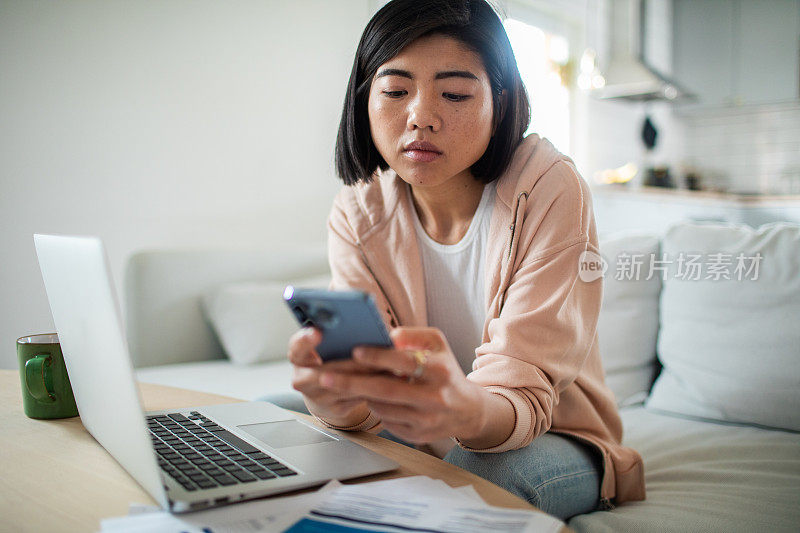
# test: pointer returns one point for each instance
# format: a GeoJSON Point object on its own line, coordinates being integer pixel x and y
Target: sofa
{"type": "Point", "coordinates": [698, 331]}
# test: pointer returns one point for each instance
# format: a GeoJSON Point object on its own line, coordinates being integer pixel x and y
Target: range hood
{"type": "Point", "coordinates": [626, 72]}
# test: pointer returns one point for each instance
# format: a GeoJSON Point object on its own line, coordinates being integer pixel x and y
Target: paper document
{"type": "Point", "coordinates": [416, 503]}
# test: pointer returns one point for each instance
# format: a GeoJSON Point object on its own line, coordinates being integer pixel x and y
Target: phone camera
{"type": "Point", "coordinates": [325, 318]}
{"type": "Point", "coordinates": [302, 317]}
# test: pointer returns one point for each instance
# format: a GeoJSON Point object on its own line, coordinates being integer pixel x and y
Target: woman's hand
{"type": "Point", "coordinates": [440, 403]}
{"type": "Point", "coordinates": [337, 408]}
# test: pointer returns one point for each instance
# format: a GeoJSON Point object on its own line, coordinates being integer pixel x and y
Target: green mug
{"type": "Point", "coordinates": [46, 392]}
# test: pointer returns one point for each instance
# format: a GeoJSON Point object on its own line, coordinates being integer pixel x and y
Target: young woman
{"type": "Point", "coordinates": [469, 236]}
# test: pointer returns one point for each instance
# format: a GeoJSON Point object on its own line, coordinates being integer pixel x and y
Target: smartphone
{"type": "Point", "coordinates": [346, 318]}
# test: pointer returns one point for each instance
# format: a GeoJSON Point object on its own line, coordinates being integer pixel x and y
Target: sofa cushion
{"type": "Point", "coordinates": [628, 323]}
{"type": "Point", "coordinates": [729, 347]}
{"type": "Point", "coordinates": [705, 476]}
{"type": "Point", "coordinates": [252, 320]}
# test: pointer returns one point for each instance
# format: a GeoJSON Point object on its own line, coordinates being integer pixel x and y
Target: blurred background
{"type": "Point", "coordinates": [203, 124]}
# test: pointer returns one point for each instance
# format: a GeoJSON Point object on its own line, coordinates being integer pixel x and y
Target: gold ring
{"type": "Point", "coordinates": [421, 358]}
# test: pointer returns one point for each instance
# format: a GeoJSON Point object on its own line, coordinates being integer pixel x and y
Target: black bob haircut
{"type": "Point", "coordinates": [395, 26]}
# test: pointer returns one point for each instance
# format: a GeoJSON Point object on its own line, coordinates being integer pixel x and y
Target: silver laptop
{"type": "Point", "coordinates": [191, 458]}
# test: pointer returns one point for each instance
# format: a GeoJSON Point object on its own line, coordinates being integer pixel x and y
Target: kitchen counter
{"type": "Point", "coordinates": [654, 209]}
{"type": "Point", "coordinates": [665, 194]}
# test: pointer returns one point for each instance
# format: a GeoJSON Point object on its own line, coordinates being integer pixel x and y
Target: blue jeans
{"type": "Point", "coordinates": [557, 474]}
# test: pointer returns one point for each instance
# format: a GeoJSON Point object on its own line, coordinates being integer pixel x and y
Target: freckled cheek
{"type": "Point", "coordinates": [386, 119]}
{"type": "Point", "coordinates": [473, 127]}
{"type": "Point", "coordinates": [385, 129]}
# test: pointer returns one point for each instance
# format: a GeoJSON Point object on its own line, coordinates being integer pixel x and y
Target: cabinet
{"type": "Point", "coordinates": [737, 52]}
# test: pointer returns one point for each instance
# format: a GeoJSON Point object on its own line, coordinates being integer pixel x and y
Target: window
{"type": "Point", "coordinates": [542, 60]}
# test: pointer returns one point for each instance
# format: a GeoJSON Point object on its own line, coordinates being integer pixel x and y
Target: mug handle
{"type": "Point", "coordinates": [39, 378]}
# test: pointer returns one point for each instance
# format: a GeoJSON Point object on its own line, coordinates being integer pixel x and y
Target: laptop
{"type": "Point", "coordinates": [186, 459]}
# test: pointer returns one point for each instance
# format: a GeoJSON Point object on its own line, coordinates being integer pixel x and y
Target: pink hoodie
{"type": "Point", "coordinates": [540, 347]}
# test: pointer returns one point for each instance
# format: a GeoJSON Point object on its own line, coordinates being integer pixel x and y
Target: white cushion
{"type": "Point", "coordinates": [628, 323]}
{"type": "Point", "coordinates": [730, 348]}
{"type": "Point", "coordinates": [252, 320]}
{"type": "Point", "coordinates": [705, 477]}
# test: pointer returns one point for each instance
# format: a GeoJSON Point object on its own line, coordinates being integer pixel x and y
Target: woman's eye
{"type": "Point", "coordinates": [453, 97]}
{"type": "Point", "coordinates": [394, 94]}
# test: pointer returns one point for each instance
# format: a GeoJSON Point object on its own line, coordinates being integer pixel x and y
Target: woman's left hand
{"type": "Point", "coordinates": [439, 403]}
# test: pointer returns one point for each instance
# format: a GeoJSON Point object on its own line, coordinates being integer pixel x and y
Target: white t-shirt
{"type": "Point", "coordinates": [454, 281]}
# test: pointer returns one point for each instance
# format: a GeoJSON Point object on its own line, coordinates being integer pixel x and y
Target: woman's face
{"type": "Point", "coordinates": [430, 111]}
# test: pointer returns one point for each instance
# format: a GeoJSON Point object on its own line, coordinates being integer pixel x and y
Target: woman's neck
{"type": "Point", "coordinates": [446, 210]}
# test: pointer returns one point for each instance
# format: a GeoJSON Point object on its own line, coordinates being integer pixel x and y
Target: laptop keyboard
{"type": "Point", "coordinates": [199, 454]}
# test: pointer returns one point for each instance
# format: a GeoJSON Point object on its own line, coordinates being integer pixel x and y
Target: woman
{"type": "Point", "coordinates": [469, 237]}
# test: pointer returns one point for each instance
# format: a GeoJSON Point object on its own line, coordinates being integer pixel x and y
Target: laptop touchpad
{"type": "Point", "coordinates": [285, 433]}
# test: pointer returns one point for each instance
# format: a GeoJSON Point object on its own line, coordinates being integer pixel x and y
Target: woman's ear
{"type": "Point", "coordinates": [502, 102]}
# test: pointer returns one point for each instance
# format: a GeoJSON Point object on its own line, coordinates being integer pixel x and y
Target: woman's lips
{"type": "Point", "coordinates": [421, 151]}
{"type": "Point", "coordinates": [422, 156]}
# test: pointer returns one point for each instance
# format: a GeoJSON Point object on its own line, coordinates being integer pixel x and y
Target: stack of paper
{"type": "Point", "coordinates": [405, 504]}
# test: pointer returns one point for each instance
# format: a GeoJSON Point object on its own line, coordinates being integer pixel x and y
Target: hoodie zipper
{"type": "Point", "coordinates": [512, 228]}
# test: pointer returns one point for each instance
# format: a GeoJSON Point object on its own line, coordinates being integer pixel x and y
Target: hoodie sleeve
{"type": "Point", "coordinates": [547, 323]}
{"type": "Point", "coordinates": [349, 271]}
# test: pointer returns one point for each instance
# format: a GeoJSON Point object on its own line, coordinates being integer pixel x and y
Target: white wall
{"type": "Point", "coordinates": [160, 124]}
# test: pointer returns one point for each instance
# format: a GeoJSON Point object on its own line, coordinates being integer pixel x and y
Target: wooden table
{"type": "Point", "coordinates": [55, 477]}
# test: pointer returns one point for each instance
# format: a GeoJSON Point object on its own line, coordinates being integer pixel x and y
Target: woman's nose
{"type": "Point", "coordinates": [423, 114]}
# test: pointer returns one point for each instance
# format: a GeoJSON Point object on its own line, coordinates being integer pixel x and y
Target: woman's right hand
{"type": "Point", "coordinates": [334, 407]}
